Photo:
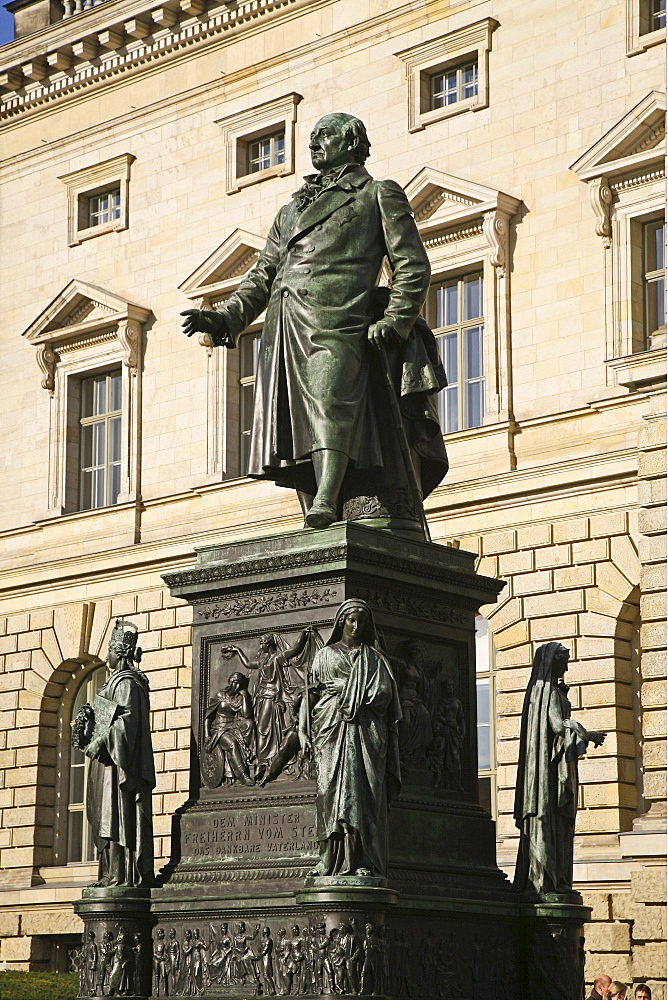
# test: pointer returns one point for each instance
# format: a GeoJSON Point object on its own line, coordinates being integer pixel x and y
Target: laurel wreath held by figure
{"type": "Point", "coordinates": [82, 727]}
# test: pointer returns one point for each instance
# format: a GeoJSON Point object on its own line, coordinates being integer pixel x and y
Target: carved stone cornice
{"type": "Point", "coordinates": [448, 209]}
{"type": "Point", "coordinates": [82, 316]}
{"type": "Point", "coordinates": [629, 155]}
{"type": "Point", "coordinates": [106, 41]}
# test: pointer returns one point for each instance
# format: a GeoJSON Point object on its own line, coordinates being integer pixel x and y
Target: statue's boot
{"type": "Point", "coordinates": [330, 468]}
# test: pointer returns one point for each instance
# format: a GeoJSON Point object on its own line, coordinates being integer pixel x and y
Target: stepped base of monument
{"type": "Point", "coordinates": [387, 943]}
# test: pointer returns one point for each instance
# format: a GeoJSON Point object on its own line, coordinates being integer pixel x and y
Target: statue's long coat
{"type": "Point", "coordinates": [316, 277]}
{"type": "Point", "coordinates": [121, 779]}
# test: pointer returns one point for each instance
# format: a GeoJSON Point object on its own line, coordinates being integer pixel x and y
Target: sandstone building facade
{"type": "Point", "coordinates": [144, 150]}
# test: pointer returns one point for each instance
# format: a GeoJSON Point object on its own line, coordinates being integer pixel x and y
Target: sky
{"type": "Point", "coordinates": [6, 26]}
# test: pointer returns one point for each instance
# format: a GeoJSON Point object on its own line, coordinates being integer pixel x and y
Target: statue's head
{"type": "Point", "coordinates": [266, 931]}
{"type": "Point", "coordinates": [449, 687]}
{"type": "Point", "coordinates": [268, 642]}
{"type": "Point", "coordinates": [123, 650]}
{"type": "Point", "coordinates": [354, 623]}
{"type": "Point", "coordinates": [160, 933]}
{"type": "Point", "coordinates": [172, 934]}
{"type": "Point", "coordinates": [337, 139]}
{"type": "Point", "coordinates": [237, 682]}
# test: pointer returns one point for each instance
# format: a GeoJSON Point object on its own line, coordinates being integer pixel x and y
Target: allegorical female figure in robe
{"type": "Point", "coordinates": [547, 778]}
{"type": "Point", "coordinates": [354, 738]}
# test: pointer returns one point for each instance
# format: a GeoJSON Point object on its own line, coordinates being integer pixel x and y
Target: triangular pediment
{"type": "Point", "coordinates": [80, 307]}
{"type": "Point", "coordinates": [634, 141]}
{"type": "Point", "coordinates": [441, 199]}
{"type": "Point", "coordinates": [223, 269]}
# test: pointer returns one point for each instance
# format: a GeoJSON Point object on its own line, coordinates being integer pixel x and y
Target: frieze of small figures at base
{"type": "Point", "coordinates": [294, 961]}
{"type": "Point", "coordinates": [351, 958]}
{"type": "Point", "coordinates": [113, 964]}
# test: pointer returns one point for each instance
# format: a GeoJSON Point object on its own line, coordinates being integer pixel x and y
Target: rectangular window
{"type": "Point", "coordinates": [657, 15]}
{"type": "Point", "coordinates": [455, 313]}
{"type": "Point", "coordinates": [104, 208]}
{"type": "Point", "coordinates": [484, 666]}
{"type": "Point", "coordinates": [654, 283]}
{"type": "Point", "coordinates": [100, 440]}
{"type": "Point", "coordinates": [249, 353]}
{"type": "Point", "coordinates": [457, 83]}
{"type": "Point", "coordinates": [266, 152]}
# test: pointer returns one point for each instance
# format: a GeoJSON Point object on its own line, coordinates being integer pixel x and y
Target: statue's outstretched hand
{"type": "Point", "coordinates": [597, 737]}
{"type": "Point", "coordinates": [383, 335]}
{"type": "Point", "coordinates": [207, 321]}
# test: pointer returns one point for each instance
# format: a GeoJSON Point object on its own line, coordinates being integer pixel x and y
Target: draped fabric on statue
{"type": "Point", "coordinates": [356, 747]}
{"type": "Point", "coordinates": [547, 781]}
{"type": "Point", "coordinates": [122, 778]}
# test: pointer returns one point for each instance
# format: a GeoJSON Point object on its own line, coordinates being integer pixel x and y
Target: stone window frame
{"type": "Point", "coordinates": [241, 128]}
{"type": "Point", "coordinates": [470, 43]}
{"type": "Point", "coordinates": [59, 866]}
{"type": "Point", "coordinates": [465, 226]}
{"type": "Point", "coordinates": [65, 790]}
{"type": "Point", "coordinates": [83, 331]}
{"type": "Point", "coordinates": [87, 182]}
{"type": "Point", "coordinates": [207, 288]}
{"type": "Point", "coordinates": [637, 40]}
{"type": "Point", "coordinates": [625, 174]}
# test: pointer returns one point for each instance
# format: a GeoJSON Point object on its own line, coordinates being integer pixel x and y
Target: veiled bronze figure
{"type": "Point", "coordinates": [115, 733]}
{"type": "Point", "coordinates": [352, 733]}
{"type": "Point", "coordinates": [323, 424]}
{"type": "Point", "coordinates": [546, 793]}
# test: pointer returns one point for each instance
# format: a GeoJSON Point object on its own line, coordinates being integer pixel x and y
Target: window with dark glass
{"type": "Point", "coordinates": [454, 84]}
{"type": "Point", "coordinates": [455, 313]}
{"type": "Point", "coordinates": [654, 283]}
{"type": "Point", "coordinates": [249, 352]}
{"type": "Point", "coordinates": [100, 440]}
{"type": "Point", "coordinates": [104, 208]}
{"type": "Point", "coordinates": [657, 15]}
{"type": "Point", "coordinates": [269, 151]}
{"type": "Point", "coordinates": [484, 653]}
{"type": "Point", "coordinates": [80, 846]}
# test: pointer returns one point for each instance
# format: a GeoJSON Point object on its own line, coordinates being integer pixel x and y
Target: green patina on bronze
{"type": "Point", "coordinates": [323, 423]}
{"type": "Point", "coordinates": [546, 795]}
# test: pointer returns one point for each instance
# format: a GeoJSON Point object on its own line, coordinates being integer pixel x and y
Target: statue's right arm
{"type": "Point", "coordinates": [223, 325]}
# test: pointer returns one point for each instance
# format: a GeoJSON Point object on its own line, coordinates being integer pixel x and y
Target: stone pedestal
{"type": "Point", "coordinates": [237, 901]}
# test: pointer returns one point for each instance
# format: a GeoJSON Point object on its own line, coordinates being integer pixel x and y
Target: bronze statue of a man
{"type": "Point", "coordinates": [323, 423]}
{"type": "Point", "coordinates": [115, 733]}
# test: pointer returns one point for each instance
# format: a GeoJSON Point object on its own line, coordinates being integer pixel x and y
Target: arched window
{"type": "Point", "coordinates": [79, 841]}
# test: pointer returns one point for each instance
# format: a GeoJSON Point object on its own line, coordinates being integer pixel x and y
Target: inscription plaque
{"type": "Point", "coordinates": [270, 833]}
